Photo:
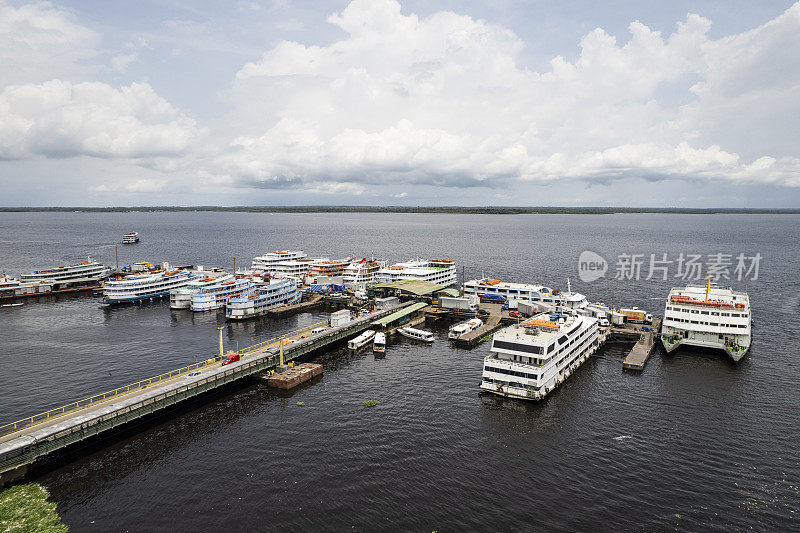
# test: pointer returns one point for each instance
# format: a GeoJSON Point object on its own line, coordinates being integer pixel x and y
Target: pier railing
{"type": "Point", "coordinates": [98, 398]}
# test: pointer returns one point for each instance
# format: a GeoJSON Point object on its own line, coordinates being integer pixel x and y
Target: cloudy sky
{"type": "Point", "coordinates": [375, 102]}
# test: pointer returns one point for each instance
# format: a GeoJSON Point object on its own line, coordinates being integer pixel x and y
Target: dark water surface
{"type": "Point", "coordinates": [694, 442]}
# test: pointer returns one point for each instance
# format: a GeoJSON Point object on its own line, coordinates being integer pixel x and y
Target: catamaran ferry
{"type": "Point", "coordinates": [465, 327]}
{"type": "Point", "coordinates": [261, 298]}
{"type": "Point", "coordinates": [182, 298]}
{"type": "Point", "coordinates": [265, 264]}
{"type": "Point", "coordinates": [526, 292]}
{"type": "Point", "coordinates": [709, 317]}
{"type": "Point", "coordinates": [439, 271]}
{"type": "Point", "coordinates": [217, 295]}
{"type": "Point", "coordinates": [145, 286]}
{"type": "Point", "coordinates": [361, 273]}
{"type": "Point", "coordinates": [532, 358]}
{"type": "Point", "coordinates": [87, 273]}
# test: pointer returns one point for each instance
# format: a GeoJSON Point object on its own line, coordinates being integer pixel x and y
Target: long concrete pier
{"type": "Point", "coordinates": [22, 442]}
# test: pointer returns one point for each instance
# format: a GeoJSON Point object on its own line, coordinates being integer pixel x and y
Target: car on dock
{"type": "Point", "coordinates": [516, 314]}
{"type": "Point", "coordinates": [193, 374]}
{"type": "Point", "coordinates": [231, 358]}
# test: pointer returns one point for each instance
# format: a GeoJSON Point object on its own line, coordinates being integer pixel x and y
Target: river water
{"type": "Point", "coordinates": [694, 442]}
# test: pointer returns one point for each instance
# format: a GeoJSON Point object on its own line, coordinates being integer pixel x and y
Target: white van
{"type": "Point", "coordinates": [318, 330]}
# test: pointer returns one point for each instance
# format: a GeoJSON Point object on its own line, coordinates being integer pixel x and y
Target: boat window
{"type": "Point", "coordinates": [506, 345]}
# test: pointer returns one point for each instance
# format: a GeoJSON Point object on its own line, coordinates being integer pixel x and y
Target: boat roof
{"type": "Point", "coordinates": [716, 294]}
{"type": "Point", "coordinates": [414, 286]}
{"type": "Point", "coordinates": [400, 314]}
{"type": "Point", "coordinates": [544, 334]}
{"type": "Point", "coordinates": [485, 282]}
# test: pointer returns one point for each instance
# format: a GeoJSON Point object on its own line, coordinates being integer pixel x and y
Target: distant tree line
{"type": "Point", "coordinates": [418, 209]}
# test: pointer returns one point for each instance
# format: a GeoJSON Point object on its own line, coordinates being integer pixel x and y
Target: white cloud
{"type": "Point", "coordinates": [62, 119]}
{"type": "Point", "coordinates": [39, 41]}
{"type": "Point", "coordinates": [443, 100]}
{"type": "Point", "coordinates": [120, 63]}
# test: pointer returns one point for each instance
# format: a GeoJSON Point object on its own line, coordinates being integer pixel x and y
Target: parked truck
{"type": "Point", "coordinates": [464, 303]}
{"type": "Point", "coordinates": [637, 315]}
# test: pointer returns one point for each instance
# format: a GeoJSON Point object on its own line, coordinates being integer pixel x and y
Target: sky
{"type": "Point", "coordinates": [379, 102]}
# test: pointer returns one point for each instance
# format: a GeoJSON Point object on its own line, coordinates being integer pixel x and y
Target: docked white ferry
{"type": "Point", "coordinates": [526, 292]}
{"type": "Point", "coordinates": [89, 272]}
{"type": "Point", "coordinates": [261, 298]}
{"type": "Point", "coordinates": [416, 334]}
{"type": "Point", "coordinates": [379, 342]}
{"type": "Point", "coordinates": [182, 298]}
{"type": "Point", "coordinates": [358, 274]}
{"type": "Point", "coordinates": [148, 286]}
{"type": "Point", "coordinates": [217, 295]}
{"type": "Point", "coordinates": [709, 317]}
{"type": "Point", "coordinates": [532, 358]}
{"type": "Point", "coordinates": [464, 327]}
{"type": "Point", "coordinates": [330, 268]}
{"type": "Point", "coordinates": [11, 288]}
{"type": "Point", "coordinates": [440, 271]}
{"type": "Point", "coordinates": [265, 264]}
{"type": "Point", "coordinates": [295, 268]}
{"type": "Point", "coordinates": [362, 340]}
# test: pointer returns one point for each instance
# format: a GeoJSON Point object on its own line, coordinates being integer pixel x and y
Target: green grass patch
{"type": "Point", "coordinates": [24, 508]}
{"type": "Point", "coordinates": [371, 403]}
{"type": "Point", "coordinates": [301, 404]}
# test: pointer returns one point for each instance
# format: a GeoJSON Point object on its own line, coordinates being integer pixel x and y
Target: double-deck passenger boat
{"type": "Point", "coordinates": [358, 274]}
{"type": "Point", "coordinates": [130, 238]}
{"type": "Point", "coordinates": [11, 288]}
{"type": "Point", "coordinates": [87, 273]}
{"type": "Point", "coordinates": [266, 264]}
{"type": "Point", "coordinates": [217, 295]}
{"type": "Point", "coordinates": [261, 298]}
{"type": "Point", "coordinates": [182, 298]}
{"type": "Point", "coordinates": [439, 271]}
{"type": "Point", "coordinates": [148, 286]}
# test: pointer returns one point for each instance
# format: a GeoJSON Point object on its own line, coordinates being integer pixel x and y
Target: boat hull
{"type": "Point", "coordinates": [735, 355]}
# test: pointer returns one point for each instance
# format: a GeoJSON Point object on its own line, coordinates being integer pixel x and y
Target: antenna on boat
{"type": "Point", "coordinates": [708, 286]}
{"type": "Point", "coordinates": [569, 287]}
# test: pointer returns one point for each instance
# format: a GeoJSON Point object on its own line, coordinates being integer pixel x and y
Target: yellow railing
{"type": "Point", "coordinates": [80, 404]}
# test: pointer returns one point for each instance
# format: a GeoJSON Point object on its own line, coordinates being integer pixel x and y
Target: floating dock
{"type": "Point", "coordinates": [641, 351]}
{"type": "Point", "coordinates": [24, 441]}
{"type": "Point", "coordinates": [292, 377]}
{"type": "Point", "coordinates": [492, 324]}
